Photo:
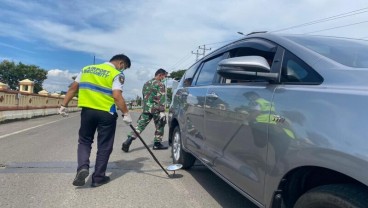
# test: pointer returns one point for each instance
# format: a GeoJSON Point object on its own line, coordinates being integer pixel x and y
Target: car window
{"type": "Point", "coordinates": [350, 52]}
{"type": "Point", "coordinates": [188, 76]}
{"type": "Point", "coordinates": [208, 71]}
{"type": "Point", "coordinates": [296, 71]}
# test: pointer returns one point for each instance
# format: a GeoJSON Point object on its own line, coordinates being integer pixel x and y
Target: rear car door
{"type": "Point", "coordinates": [236, 123]}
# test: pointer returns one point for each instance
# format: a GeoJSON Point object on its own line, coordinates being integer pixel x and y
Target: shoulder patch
{"type": "Point", "coordinates": [121, 78]}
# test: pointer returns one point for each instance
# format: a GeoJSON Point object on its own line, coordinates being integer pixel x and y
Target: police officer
{"type": "Point", "coordinates": [100, 91]}
{"type": "Point", "coordinates": [153, 107]}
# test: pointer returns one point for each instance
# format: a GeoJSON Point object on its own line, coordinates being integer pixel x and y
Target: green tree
{"type": "Point", "coordinates": [11, 74]}
{"type": "Point", "coordinates": [138, 100]}
{"type": "Point", "coordinates": [177, 74]}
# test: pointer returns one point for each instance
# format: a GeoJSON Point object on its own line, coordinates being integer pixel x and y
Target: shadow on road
{"type": "Point", "coordinates": [222, 192]}
{"type": "Point", "coordinates": [118, 169]}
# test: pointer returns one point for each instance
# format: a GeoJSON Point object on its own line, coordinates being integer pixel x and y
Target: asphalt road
{"type": "Point", "coordinates": [38, 164]}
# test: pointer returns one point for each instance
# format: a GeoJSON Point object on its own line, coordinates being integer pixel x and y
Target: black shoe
{"type": "Point", "coordinates": [104, 181]}
{"type": "Point", "coordinates": [127, 144]}
{"type": "Point", "coordinates": [79, 179]}
{"type": "Point", "coordinates": [159, 146]}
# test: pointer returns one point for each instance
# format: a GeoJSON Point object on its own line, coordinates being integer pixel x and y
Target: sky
{"type": "Point", "coordinates": [63, 36]}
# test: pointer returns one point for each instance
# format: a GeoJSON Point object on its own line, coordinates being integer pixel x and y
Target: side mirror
{"type": "Point", "coordinates": [246, 68]}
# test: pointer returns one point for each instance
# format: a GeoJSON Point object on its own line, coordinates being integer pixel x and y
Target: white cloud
{"type": "Point", "coordinates": [58, 80]}
{"type": "Point", "coordinates": [162, 33]}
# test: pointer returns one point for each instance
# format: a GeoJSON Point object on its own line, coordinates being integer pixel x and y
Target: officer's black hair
{"type": "Point", "coordinates": [160, 71]}
{"type": "Point", "coordinates": [121, 57]}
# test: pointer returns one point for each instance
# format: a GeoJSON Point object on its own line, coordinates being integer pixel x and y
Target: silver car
{"type": "Point", "coordinates": [281, 118]}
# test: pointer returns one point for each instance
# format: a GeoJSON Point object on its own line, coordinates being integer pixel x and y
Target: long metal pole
{"type": "Point", "coordinates": [144, 143]}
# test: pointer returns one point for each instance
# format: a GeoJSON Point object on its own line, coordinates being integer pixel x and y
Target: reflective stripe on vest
{"type": "Point", "coordinates": [95, 87]}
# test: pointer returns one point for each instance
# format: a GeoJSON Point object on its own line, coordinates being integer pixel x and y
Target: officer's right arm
{"type": "Point", "coordinates": [120, 101]}
{"type": "Point", "coordinates": [73, 89]}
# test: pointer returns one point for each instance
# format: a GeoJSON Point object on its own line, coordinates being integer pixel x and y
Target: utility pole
{"type": "Point", "coordinates": [204, 49]}
{"type": "Point", "coordinates": [197, 54]}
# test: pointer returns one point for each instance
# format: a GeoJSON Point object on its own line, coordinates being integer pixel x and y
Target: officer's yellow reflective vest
{"type": "Point", "coordinates": [264, 117]}
{"type": "Point", "coordinates": [266, 107]}
{"type": "Point", "coordinates": [95, 87]}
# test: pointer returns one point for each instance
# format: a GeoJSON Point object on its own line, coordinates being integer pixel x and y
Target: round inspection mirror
{"type": "Point", "coordinates": [174, 167]}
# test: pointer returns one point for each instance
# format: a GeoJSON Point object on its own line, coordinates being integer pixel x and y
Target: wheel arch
{"type": "Point", "coordinates": [174, 122]}
{"type": "Point", "coordinates": [300, 180]}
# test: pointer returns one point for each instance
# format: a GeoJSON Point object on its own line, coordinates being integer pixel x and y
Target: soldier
{"type": "Point", "coordinates": [153, 107]}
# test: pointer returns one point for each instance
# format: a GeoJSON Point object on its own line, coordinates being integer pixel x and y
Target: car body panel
{"type": "Point", "coordinates": [230, 122]}
{"type": "Point", "coordinates": [298, 125]}
{"type": "Point", "coordinates": [193, 116]}
{"type": "Point", "coordinates": [325, 132]}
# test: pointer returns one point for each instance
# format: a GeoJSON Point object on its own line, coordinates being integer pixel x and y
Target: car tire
{"type": "Point", "coordinates": [334, 196]}
{"type": "Point", "coordinates": [178, 154]}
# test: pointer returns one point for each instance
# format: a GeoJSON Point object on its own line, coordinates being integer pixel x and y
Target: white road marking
{"type": "Point", "coordinates": [17, 132]}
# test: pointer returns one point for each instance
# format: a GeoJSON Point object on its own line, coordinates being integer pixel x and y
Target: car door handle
{"type": "Point", "coordinates": [212, 95]}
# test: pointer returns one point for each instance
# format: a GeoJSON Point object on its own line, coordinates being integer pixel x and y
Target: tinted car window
{"type": "Point", "coordinates": [208, 71]}
{"type": "Point", "coordinates": [296, 71]}
{"type": "Point", "coordinates": [188, 76]}
{"type": "Point", "coordinates": [353, 53]}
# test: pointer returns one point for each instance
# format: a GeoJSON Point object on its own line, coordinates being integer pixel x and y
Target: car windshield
{"type": "Point", "coordinates": [349, 52]}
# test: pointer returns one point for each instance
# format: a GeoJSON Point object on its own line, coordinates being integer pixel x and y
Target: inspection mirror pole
{"type": "Point", "coordinates": [144, 143]}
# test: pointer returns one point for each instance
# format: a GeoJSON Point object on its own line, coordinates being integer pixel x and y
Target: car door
{"type": "Point", "coordinates": [236, 122]}
{"type": "Point", "coordinates": [194, 103]}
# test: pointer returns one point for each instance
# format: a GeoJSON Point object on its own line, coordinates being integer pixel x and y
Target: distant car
{"type": "Point", "coordinates": [281, 118]}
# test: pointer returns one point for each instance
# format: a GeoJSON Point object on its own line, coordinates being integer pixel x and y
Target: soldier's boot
{"type": "Point", "coordinates": [159, 146]}
{"type": "Point", "coordinates": [127, 144]}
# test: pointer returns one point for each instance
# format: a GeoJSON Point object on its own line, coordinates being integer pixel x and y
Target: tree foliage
{"type": "Point", "coordinates": [177, 74]}
{"type": "Point", "coordinates": [138, 100]}
{"type": "Point", "coordinates": [11, 74]}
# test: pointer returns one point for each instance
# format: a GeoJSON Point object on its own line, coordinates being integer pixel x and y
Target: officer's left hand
{"type": "Point", "coordinates": [127, 118]}
{"type": "Point", "coordinates": [63, 111]}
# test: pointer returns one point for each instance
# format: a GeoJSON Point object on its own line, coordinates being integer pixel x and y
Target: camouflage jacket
{"type": "Point", "coordinates": [153, 96]}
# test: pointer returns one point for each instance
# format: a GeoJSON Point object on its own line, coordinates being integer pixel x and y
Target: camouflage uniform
{"type": "Point", "coordinates": [153, 103]}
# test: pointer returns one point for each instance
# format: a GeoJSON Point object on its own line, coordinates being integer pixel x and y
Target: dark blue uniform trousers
{"type": "Point", "coordinates": [105, 124]}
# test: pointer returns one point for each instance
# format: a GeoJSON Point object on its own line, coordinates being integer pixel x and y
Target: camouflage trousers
{"type": "Point", "coordinates": [144, 120]}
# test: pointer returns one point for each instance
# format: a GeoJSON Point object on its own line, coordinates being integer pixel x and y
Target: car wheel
{"type": "Point", "coordinates": [178, 154]}
{"type": "Point", "coordinates": [334, 196]}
